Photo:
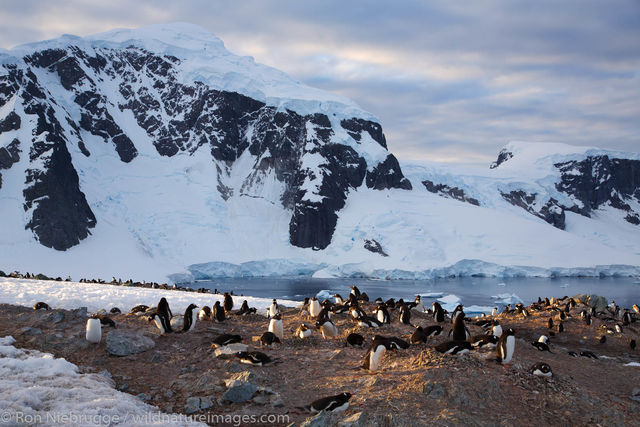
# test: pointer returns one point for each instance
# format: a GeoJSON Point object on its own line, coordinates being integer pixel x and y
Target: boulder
{"type": "Point", "coordinates": [124, 343]}
{"type": "Point", "coordinates": [192, 405]}
{"type": "Point", "coordinates": [600, 303]}
{"type": "Point", "coordinates": [238, 391]}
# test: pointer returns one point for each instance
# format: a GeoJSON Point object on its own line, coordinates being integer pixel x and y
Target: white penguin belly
{"type": "Point", "coordinates": [376, 357]}
{"type": "Point", "coordinates": [510, 347]}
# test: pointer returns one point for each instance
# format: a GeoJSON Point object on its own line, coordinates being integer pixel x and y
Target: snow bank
{"type": "Point", "coordinates": [71, 295]}
{"type": "Point", "coordinates": [37, 388]}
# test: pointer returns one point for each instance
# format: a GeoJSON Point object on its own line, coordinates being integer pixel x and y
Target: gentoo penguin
{"type": "Point", "coordinates": [369, 322]}
{"type": "Point", "coordinates": [587, 319]}
{"type": "Point", "coordinates": [602, 339]}
{"type": "Point", "coordinates": [355, 340]}
{"type": "Point", "coordinates": [433, 330]}
{"type": "Point", "coordinates": [626, 318]}
{"type": "Point", "coordinates": [541, 369]}
{"type": "Point", "coordinates": [255, 358]}
{"type": "Point", "coordinates": [139, 309]}
{"type": "Point", "coordinates": [618, 328]}
{"type": "Point", "coordinates": [404, 314]}
{"type": "Point", "coordinates": [269, 338]}
{"type": "Point", "coordinates": [228, 302]}
{"type": "Point", "coordinates": [204, 313]}
{"type": "Point", "coordinates": [418, 336]}
{"type": "Point", "coordinates": [550, 323]}
{"type": "Point", "coordinates": [506, 346]}
{"type": "Point", "coordinates": [374, 355]}
{"type": "Point", "coordinates": [314, 307]}
{"type": "Point", "coordinates": [190, 317]}
{"type": "Point", "coordinates": [275, 326]}
{"type": "Point", "coordinates": [459, 330]}
{"type": "Point", "coordinates": [417, 304]}
{"type": "Point", "coordinates": [543, 339]}
{"type": "Point", "coordinates": [335, 403]}
{"type": "Point", "coordinates": [163, 308]}
{"type": "Point", "coordinates": [94, 330]}
{"type": "Point", "coordinates": [115, 310]}
{"type": "Point", "coordinates": [218, 312]}
{"type": "Point", "coordinates": [560, 327]}
{"type": "Point", "coordinates": [355, 291]}
{"type": "Point", "coordinates": [244, 309]}
{"type": "Point", "coordinates": [356, 312]}
{"type": "Point", "coordinates": [338, 299]}
{"type": "Point", "coordinates": [364, 297]}
{"type": "Point", "coordinates": [162, 322]}
{"type": "Point", "coordinates": [494, 311]}
{"type": "Point", "coordinates": [328, 329]}
{"type": "Point", "coordinates": [104, 320]}
{"type": "Point", "coordinates": [226, 339]}
{"type": "Point", "coordinates": [456, 311]}
{"type": "Point", "coordinates": [390, 303]}
{"type": "Point", "coordinates": [303, 331]}
{"type": "Point", "coordinates": [542, 346]}
{"type": "Point", "coordinates": [438, 312]}
{"type": "Point", "coordinates": [496, 329]}
{"type": "Point", "coordinates": [453, 347]}
{"type": "Point", "coordinates": [632, 344]}
{"type": "Point", "coordinates": [395, 343]}
{"type": "Point", "coordinates": [382, 314]}
{"type": "Point", "coordinates": [273, 309]}
{"type": "Point", "coordinates": [588, 354]}
{"type": "Point", "coordinates": [41, 306]}
{"type": "Point", "coordinates": [482, 341]}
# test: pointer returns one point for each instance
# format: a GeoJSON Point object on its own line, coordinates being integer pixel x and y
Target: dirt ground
{"type": "Point", "coordinates": [418, 386]}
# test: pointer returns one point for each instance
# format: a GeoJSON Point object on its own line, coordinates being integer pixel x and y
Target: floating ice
{"type": "Point", "coordinates": [449, 302]}
{"type": "Point", "coordinates": [507, 298]}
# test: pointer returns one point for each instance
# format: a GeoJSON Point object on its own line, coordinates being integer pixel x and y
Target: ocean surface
{"type": "Point", "coordinates": [478, 294]}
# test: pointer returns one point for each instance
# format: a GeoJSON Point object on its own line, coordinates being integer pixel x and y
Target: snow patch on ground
{"type": "Point", "coordinates": [50, 391]}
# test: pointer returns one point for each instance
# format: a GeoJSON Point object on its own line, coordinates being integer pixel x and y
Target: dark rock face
{"type": "Point", "coordinates": [374, 246]}
{"type": "Point", "coordinates": [101, 85]}
{"type": "Point", "coordinates": [450, 192]}
{"type": "Point", "coordinates": [551, 212]}
{"type": "Point", "coordinates": [503, 156]}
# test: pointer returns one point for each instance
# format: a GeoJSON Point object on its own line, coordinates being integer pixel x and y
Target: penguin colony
{"type": "Point", "coordinates": [497, 343]}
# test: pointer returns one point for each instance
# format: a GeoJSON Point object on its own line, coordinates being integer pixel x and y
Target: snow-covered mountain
{"type": "Point", "coordinates": [155, 151]}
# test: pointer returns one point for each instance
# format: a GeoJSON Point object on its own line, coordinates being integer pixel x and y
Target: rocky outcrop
{"type": "Point", "coordinates": [449, 192]}
{"type": "Point", "coordinates": [550, 211]}
{"type": "Point", "coordinates": [124, 343]}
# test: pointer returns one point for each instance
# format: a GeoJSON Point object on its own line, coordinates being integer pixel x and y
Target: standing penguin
{"type": "Point", "coordinates": [162, 322]}
{"type": "Point", "coordinates": [506, 346]}
{"type": "Point", "coordinates": [228, 302]}
{"type": "Point", "coordinates": [190, 317]}
{"type": "Point", "coordinates": [163, 308]}
{"type": "Point", "coordinates": [438, 312]}
{"type": "Point", "coordinates": [218, 312]}
{"type": "Point", "coordinates": [273, 309]}
{"type": "Point", "coordinates": [382, 314]}
{"type": "Point", "coordinates": [355, 291]}
{"type": "Point", "coordinates": [314, 307]}
{"type": "Point", "coordinates": [374, 355]}
{"type": "Point", "coordinates": [405, 314]}
{"type": "Point", "coordinates": [456, 312]}
{"type": "Point", "coordinates": [460, 331]}
{"type": "Point", "coordinates": [496, 329]}
{"type": "Point", "coordinates": [276, 327]}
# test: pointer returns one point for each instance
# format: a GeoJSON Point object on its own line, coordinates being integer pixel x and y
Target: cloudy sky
{"type": "Point", "coordinates": [450, 81]}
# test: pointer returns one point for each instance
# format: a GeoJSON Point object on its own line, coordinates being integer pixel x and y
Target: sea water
{"type": "Point", "coordinates": [477, 294]}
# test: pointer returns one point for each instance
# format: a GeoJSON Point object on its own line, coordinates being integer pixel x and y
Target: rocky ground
{"type": "Point", "coordinates": [179, 372]}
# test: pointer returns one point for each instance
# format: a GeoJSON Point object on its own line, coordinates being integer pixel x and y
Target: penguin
{"type": "Point", "coordinates": [303, 331]}
{"type": "Point", "coordinates": [626, 318]}
{"type": "Point", "coordinates": [255, 358]}
{"type": "Point", "coordinates": [572, 354]}
{"type": "Point", "coordinates": [163, 308]}
{"type": "Point", "coordinates": [369, 322]}
{"type": "Point", "coordinates": [587, 319]}
{"type": "Point", "coordinates": [390, 303]}
{"type": "Point", "coordinates": [506, 346]}
{"type": "Point", "coordinates": [314, 307]}
{"type": "Point", "coordinates": [417, 304]}
{"type": "Point", "coordinates": [550, 323]}
{"type": "Point", "coordinates": [632, 344]}
{"type": "Point", "coordinates": [588, 354]}
{"type": "Point", "coordinates": [374, 355]}
{"type": "Point", "coordinates": [244, 309]}
{"type": "Point", "coordinates": [541, 370]}
{"type": "Point", "coordinates": [482, 341]}
{"type": "Point", "coordinates": [433, 330]}
{"type": "Point", "coordinates": [496, 329]}
{"type": "Point", "coordinates": [218, 312]}
{"type": "Point", "coordinates": [104, 320]}
{"type": "Point", "coordinates": [328, 329]}
{"type": "Point", "coordinates": [542, 346]}
{"type": "Point", "coordinates": [355, 291]}
{"type": "Point", "coordinates": [275, 326]}
{"type": "Point", "coordinates": [269, 338]}
{"type": "Point", "coordinates": [395, 343]}
{"type": "Point", "coordinates": [618, 328]}
{"type": "Point", "coordinates": [456, 311]}
{"type": "Point", "coordinates": [382, 314]}
{"type": "Point", "coordinates": [405, 314]}
{"type": "Point", "coordinates": [438, 312]}
{"type": "Point", "coordinates": [364, 297]}
{"type": "Point", "coordinates": [560, 327]}
{"type": "Point", "coordinates": [41, 306]}
{"type": "Point", "coordinates": [162, 322]}
{"type": "Point", "coordinates": [190, 317]}
{"type": "Point", "coordinates": [228, 302]}
{"type": "Point", "coordinates": [459, 330]}
{"type": "Point", "coordinates": [525, 313]}
{"type": "Point", "coordinates": [226, 339]}
{"type": "Point", "coordinates": [453, 347]}
{"type": "Point", "coordinates": [338, 299]}
{"type": "Point", "coordinates": [115, 310]}
{"type": "Point", "coordinates": [602, 339]}
{"type": "Point", "coordinates": [355, 340]}
{"type": "Point", "coordinates": [494, 311]}
{"type": "Point", "coordinates": [273, 309]}
{"type": "Point", "coordinates": [325, 312]}
{"type": "Point", "coordinates": [543, 339]}
{"type": "Point", "coordinates": [204, 313]}
{"type": "Point", "coordinates": [337, 403]}
{"type": "Point", "coordinates": [418, 336]}
{"type": "Point", "coordinates": [139, 309]}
